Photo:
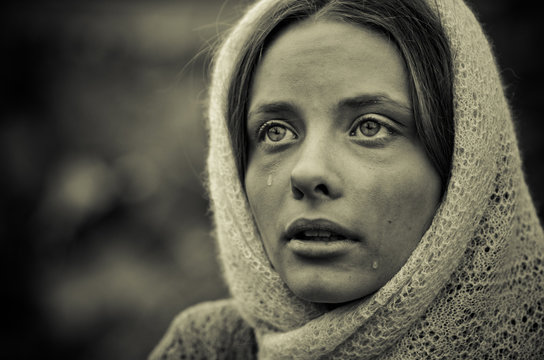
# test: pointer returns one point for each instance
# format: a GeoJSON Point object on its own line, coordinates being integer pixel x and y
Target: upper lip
{"type": "Point", "coordinates": [299, 226]}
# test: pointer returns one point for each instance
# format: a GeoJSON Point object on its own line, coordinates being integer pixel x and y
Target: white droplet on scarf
{"type": "Point", "coordinates": [375, 264]}
{"type": "Point", "coordinates": [269, 180]}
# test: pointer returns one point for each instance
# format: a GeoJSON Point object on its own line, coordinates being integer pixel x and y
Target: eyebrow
{"type": "Point", "coordinates": [356, 102]}
{"type": "Point", "coordinates": [273, 107]}
{"type": "Point", "coordinates": [362, 101]}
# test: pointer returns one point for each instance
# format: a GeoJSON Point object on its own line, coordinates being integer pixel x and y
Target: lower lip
{"type": "Point", "coordinates": [320, 248]}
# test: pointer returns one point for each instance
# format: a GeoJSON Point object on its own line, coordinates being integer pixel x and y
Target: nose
{"type": "Point", "coordinates": [314, 175]}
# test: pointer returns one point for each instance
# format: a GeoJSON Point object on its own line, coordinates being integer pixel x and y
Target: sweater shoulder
{"type": "Point", "coordinates": [210, 330]}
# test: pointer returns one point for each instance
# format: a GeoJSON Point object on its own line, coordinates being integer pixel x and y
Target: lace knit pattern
{"type": "Point", "coordinates": [207, 331]}
{"type": "Point", "coordinates": [473, 288]}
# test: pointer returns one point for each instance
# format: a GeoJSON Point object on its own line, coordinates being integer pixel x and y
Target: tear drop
{"type": "Point", "coordinates": [375, 264]}
{"type": "Point", "coordinates": [269, 180]}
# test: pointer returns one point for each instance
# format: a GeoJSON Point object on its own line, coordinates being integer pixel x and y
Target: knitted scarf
{"type": "Point", "coordinates": [473, 287]}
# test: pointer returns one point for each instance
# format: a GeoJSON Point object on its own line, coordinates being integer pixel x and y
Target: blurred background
{"type": "Point", "coordinates": [105, 232]}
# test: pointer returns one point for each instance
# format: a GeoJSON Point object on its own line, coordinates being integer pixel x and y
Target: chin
{"type": "Point", "coordinates": [332, 293]}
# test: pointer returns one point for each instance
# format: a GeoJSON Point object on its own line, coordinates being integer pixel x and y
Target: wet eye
{"type": "Point", "coordinates": [272, 132]}
{"type": "Point", "coordinates": [370, 127]}
{"type": "Point", "coordinates": [276, 133]}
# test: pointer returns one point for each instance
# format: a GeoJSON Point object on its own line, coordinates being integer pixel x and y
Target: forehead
{"type": "Point", "coordinates": [325, 36]}
{"type": "Point", "coordinates": [330, 58]}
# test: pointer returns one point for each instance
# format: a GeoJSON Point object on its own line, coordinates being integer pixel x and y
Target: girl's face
{"type": "Point", "coordinates": [337, 178]}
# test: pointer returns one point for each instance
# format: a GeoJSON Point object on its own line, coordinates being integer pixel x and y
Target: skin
{"type": "Point", "coordinates": [332, 136]}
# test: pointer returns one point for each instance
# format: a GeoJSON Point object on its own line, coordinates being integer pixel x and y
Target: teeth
{"type": "Point", "coordinates": [311, 233]}
{"type": "Point", "coordinates": [318, 233]}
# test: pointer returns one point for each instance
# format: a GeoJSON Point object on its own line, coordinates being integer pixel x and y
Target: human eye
{"type": "Point", "coordinates": [276, 133]}
{"type": "Point", "coordinates": [372, 129]}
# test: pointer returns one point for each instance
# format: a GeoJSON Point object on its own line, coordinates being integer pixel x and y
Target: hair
{"type": "Point", "coordinates": [411, 25]}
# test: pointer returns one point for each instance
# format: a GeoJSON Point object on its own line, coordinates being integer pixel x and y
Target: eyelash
{"type": "Point", "coordinates": [262, 130]}
{"type": "Point", "coordinates": [365, 118]}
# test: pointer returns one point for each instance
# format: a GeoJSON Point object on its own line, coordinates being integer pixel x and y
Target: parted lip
{"type": "Point", "coordinates": [298, 227]}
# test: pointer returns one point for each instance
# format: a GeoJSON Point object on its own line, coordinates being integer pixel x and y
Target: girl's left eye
{"type": "Point", "coordinates": [370, 127]}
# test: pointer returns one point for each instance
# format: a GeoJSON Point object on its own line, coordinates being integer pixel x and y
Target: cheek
{"type": "Point", "coordinates": [406, 201]}
{"type": "Point", "coordinates": [255, 184]}
{"type": "Point", "coordinates": [410, 199]}
{"type": "Point", "coordinates": [267, 182]}
{"type": "Point", "coordinates": [265, 191]}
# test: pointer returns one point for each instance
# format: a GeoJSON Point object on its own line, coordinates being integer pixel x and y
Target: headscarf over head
{"type": "Point", "coordinates": [473, 287]}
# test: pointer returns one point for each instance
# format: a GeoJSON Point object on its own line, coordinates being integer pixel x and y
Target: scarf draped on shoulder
{"type": "Point", "coordinates": [473, 287]}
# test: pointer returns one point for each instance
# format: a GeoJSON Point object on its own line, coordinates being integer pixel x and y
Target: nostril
{"type": "Point", "coordinates": [296, 193]}
{"type": "Point", "coordinates": [322, 188]}
{"type": "Point", "coordinates": [319, 190]}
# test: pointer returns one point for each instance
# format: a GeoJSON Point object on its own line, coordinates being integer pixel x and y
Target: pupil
{"type": "Point", "coordinates": [276, 133]}
{"type": "Point", "coordinates": [370, 128]}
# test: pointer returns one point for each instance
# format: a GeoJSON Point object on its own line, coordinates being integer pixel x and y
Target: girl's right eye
{"type": "Point", "coordinates": [274, 132]}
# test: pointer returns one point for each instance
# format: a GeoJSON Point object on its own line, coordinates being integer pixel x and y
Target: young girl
{"type": "Point", "coordinates": [367, 191]}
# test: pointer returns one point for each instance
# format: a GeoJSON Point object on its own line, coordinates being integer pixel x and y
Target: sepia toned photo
{"type": "Point", "coordinates": [272, 179]}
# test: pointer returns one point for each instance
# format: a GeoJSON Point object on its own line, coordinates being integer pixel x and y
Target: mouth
{"type": "Point", "coordinates": [318, 235]}
{"type": "Point", "coordinates": [318, 230]}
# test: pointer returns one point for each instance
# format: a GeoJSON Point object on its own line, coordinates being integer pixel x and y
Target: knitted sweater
{"type": "Point", "coordinates": [473, 287]}
{"type": "Point", "coordinates": [211, 330]}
